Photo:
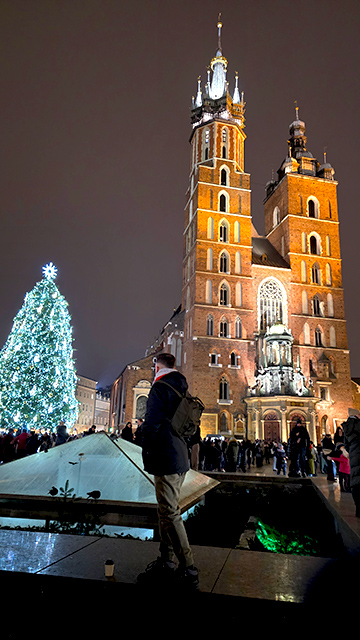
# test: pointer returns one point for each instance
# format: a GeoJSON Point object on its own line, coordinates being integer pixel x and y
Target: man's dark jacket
{"type": "Point", "coordinates": [352, 444]}
{"type": "Point", "coordinates": [163, 451]}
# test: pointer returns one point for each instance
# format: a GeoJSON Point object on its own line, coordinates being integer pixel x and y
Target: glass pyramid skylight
{"type": "Point", "coordinates": [93, 463]}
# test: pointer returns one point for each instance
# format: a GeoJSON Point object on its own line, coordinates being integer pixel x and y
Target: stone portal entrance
{"type": "Point", "coordinates": [271, 427]}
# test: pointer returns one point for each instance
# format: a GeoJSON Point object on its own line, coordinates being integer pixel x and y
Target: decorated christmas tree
{"type": "Point", "coordinates": [37, 371]}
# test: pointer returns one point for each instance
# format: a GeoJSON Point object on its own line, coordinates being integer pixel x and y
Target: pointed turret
{"type": "Point", "coordinates": [236, 96]}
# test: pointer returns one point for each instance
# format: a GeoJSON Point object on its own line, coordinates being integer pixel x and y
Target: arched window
{"type": "Point", "coordinates": [316, 273]}
{"type": "Point", "coordinates": [330, 305]}
{"type": "Point", "coordinates": [223, 328]}
{"type": "Point", "coordinates": [271, 303]}
{"type": "Point", "coordinates": [224, 262]}
{"type": "Point", "coordinates": [237, 231]}
{"type": "Point", "coordinates": [224, 391]}
{"type": "Point", "coordinates": [206, 144]}
{"type": "Point", "coordinates": [222, 202]}
{"type": "Point", "coordinates": [303, 271]}
{"type": "Point", "coordinates": [224, 177]}
{"type": "Point", "coordinates": [209, 259]}
{"type": "Point", "coordinates": [238, 262]}
{"type": "Point", "coordinates": [224, 295]}
{"type": "Point", "coordinates": [332, 337]}
{"type": "Point", "coordinates": [316, 305]}
{"type": "Point", "coordinates": [224, 143]}
{"type": "Point", "coordinates": [276, 216]}
{"type": "Point", "coordinates": [313, 207]}
{"type": "Point", "coordinates": [210, 325]}
{"type": "Point", "coordinates": [223, 422]}
{"type": "Point", "coordinates": [318, 337]}
{"type": "Point", "coordinates": [315, 244]}
{"type": "Point", "coordinates": [224, 231]}
{"type": "Point", "coordinates": [210, 228]}
{"type": "Point", "coordinates": [208, 292]}
{"type": "Point", "coordinates": [234, 359]}
{"type": "Point", "coordinates": [238, 328]}
{"type": "Point", "coordinates": [214, 359]}
{"type": "Point", "coordinates": [328, 277]}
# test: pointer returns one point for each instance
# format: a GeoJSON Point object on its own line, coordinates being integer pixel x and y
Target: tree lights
{"type": "Point", "coordinates": [37, 371]}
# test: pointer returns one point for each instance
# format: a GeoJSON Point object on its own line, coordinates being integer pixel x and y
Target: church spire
{"type": "Point", "coordinates": [218, 87]}
{"type": "Point", "coordinates": [215, 100]}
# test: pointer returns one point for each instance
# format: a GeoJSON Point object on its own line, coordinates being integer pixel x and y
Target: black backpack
{"type": "Point", "coordinates": [187, 416]}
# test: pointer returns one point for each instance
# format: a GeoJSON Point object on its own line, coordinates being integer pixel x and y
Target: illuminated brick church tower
{"type": "Point", "coordinates": [260, 333]}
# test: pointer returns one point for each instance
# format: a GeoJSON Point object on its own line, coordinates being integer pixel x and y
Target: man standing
{"type": "Point", "coordinates": [165, 456]}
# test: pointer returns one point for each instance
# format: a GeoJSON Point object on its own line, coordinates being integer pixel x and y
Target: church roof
{"type": "Point", "coordinates": [264, 253]}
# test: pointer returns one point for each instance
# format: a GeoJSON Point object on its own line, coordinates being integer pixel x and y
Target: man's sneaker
{"type": "Point", "coordinates": [188, 578]}
{"type": "Point", "coordinates": [159, 571]}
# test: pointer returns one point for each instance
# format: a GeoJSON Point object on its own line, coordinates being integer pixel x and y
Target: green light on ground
{"type": "Point", "coordinates": [289, 542]}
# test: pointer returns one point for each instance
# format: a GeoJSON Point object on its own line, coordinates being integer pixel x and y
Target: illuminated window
{"type": "Point", "coordinates": [271, 303]}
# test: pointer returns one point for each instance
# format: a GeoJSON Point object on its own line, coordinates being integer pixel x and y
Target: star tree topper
{"type": "Point", "coordinates": [49, 271]}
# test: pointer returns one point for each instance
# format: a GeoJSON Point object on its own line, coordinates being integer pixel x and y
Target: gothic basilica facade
{"type": "Point", "coordinates": [260, 333]}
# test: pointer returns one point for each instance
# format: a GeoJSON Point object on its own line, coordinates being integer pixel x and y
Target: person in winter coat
{"type": "Point", "coordinates": [165, 456]}
{"type": "Point", "coordinates": [352, 444]}
{"type": "Point", "coordinates": [344, 469]}
{"type": "Point", "coordinates": [20, 443]}
{"type": "Point", "coordinates": [127, 432]}
{"type": "Point", "coordinates": [312, 460]}
{"type": "Point", "coordinates": [61, 433]}
{"type": "Point", "coordinates": [281, 459]}
{"type": "Point", "coordinates": [299, 443]}
{"type": "Point", "coordinates": [328, 449]}
{"type": "Point", "coordinates": [232, 455]}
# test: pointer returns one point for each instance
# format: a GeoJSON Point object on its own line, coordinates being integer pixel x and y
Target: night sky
{"type": "Point", "coordinates": [94, 141]}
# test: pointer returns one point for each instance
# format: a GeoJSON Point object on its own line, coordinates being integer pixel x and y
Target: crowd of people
{"type": "Point", "coordinates": [298, 457]}
{"type": "Point", "coordinates": [19, 443]}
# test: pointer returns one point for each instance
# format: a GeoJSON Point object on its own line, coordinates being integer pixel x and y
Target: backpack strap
{"type": "Point", "coordinates": [171, 387]}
